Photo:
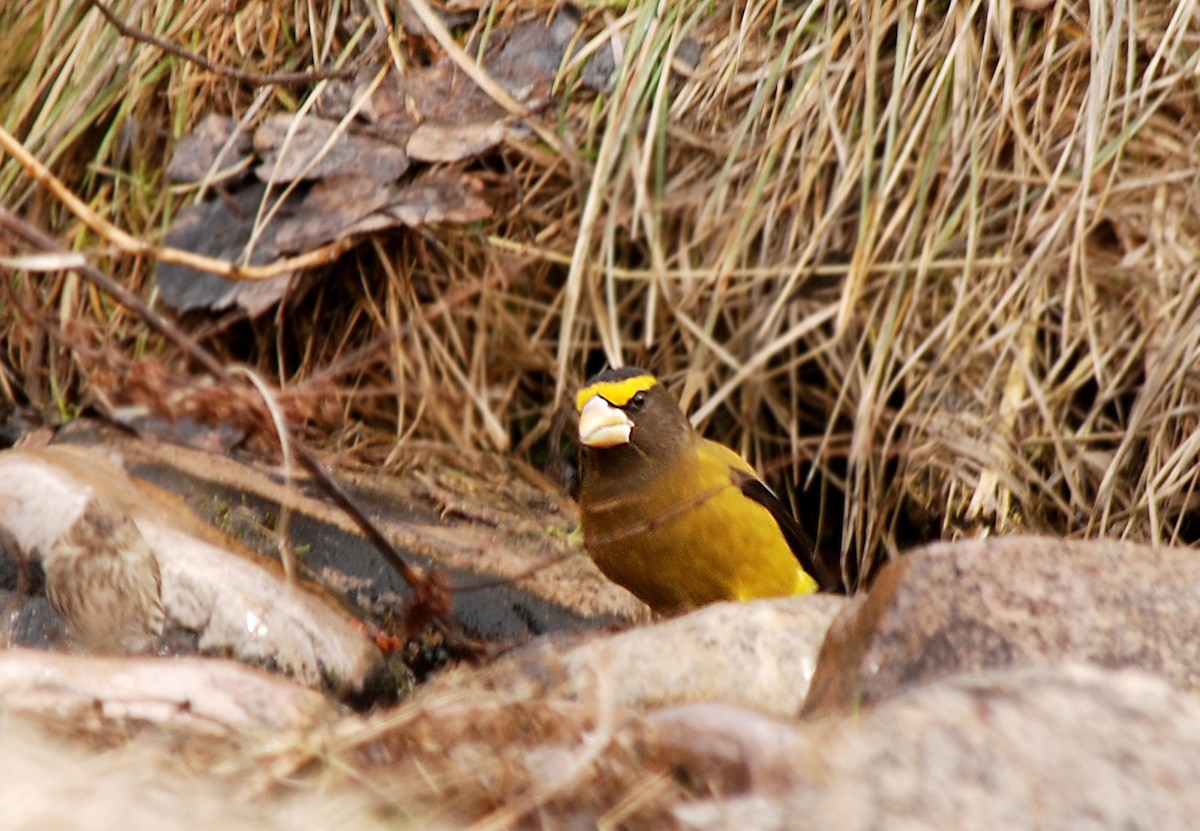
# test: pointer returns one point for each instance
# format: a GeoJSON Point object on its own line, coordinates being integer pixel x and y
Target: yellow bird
{"type": "Point", "coordinates": [677, 519]}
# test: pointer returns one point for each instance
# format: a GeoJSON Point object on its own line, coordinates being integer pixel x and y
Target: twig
{"type": "Point", "coordinates": [139, 248]}
{"type": "Point", "coordinates": [485, 81]}
{"type": "Point", "coordinates": [271, 401]}
{"type": "Point", "coordinates": [254, 78]}
{"type": "Point", "coordinates": [35, 237]}
{"type": "Point", "coordinates": [430, 595]}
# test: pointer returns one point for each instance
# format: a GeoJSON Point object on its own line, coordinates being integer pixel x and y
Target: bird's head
{"type": "Point", "coordinates": [628, 408]}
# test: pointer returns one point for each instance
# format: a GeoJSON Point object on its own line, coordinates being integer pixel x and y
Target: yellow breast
{"type": "Point", "coordinates": [689, 536]}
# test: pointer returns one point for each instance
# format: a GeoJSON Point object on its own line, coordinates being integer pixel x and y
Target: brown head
{"type": "Point", "coordinates": [628, 420]}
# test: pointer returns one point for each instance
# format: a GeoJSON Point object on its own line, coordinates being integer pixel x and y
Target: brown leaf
{"type": "Point", "coordinates": [443, 197]}
{"type": "Point", "coordinates": [198, 151]}
{"type": "Point", "coordinates": [331, 208]}
{"type": "Point", "coordinates": [287, 159]}
{"type": "Point", "coordinates": [438, 100]}
{"type": "Point", "coordinates": [528, 57]}
{"type": "Point", "coordinates": [222, 228]}
{"type": "Point", "coordinates": [441, 143]}
{"type": "Point", "coordinates": [443, 95]}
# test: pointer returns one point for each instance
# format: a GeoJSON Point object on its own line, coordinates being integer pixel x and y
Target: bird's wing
{"type": "Point", "coordinates": [798, 539]}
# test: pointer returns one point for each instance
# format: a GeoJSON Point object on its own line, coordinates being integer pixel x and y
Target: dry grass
{"type": "Point", "coordinates": [933, 261]}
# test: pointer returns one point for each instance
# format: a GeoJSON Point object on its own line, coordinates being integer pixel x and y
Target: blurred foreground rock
{"type": "Point", "coordinates": [1062, 748]}
{"type": "Point", "coordinates": [144, 785]}
{"type": "Point", "coordinates": [199, 696]}
{"type": "Point", "coordinates": [1013, 683]}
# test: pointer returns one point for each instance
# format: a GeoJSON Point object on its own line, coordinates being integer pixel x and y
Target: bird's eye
{"type": "Point", "coordinates": [637, 402]}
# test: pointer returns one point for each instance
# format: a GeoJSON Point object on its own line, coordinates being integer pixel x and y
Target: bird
{"type": "Point", "coordinates": [677, 519]}
{"type": "Point", "coordinates": [103, 580]}
{"type": "Point", "coordinates": [69, 510]}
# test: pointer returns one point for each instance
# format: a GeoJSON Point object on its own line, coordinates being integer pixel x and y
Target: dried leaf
{"type": "Point", "coordinates": [331, 208]}
{"type": "Point", "coordinates": [435, 115]}
{"type": "Point", "coordinates": [304, 155]}
{"type": "Point", "coordinates": [444, 197]}
{"type": "Point", "coordinates": [442, 95]}
{"type": "Point", "coordinates": [441, 143]}
{"type": "Point", "coordinates": [198, 156]}
{"type": "Point", "coordinates": [529, 55]}
{"type": "Point", "coordinates": [355, 205]}
{"type": "Point", "coordinates": [523, 59]}
{"type": "Point", "coordinates": [222, 228]}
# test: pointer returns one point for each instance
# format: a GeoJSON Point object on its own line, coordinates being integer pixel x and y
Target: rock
{"type": "Point", "coordinates": [730, 748]}
{"type": "Point", "coordinates": [758, 654]}
{"type": "Point", "coordinates": [543, 736]}
{"type": "Point", "coordinates": [148, 784]}
{"type": "Point", "coordinates": [1068, 748]}
{"type": "Point", "coordinates": [1013, 602]}
{"type": "Point", "coordinates": [204, 696]}
{"type": "Point", "coordinates": [235, 602]}
{"type": "Point", "coordinates": [499, 534]}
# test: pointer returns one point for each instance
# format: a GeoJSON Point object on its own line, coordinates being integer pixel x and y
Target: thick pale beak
{"type": "Point", "coordinates": [603, 425]}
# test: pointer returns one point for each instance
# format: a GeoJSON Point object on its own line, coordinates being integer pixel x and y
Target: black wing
{"type": "Point", "coordinates": [798, 540]}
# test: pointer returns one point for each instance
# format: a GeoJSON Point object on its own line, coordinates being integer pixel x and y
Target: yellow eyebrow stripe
{"type": "Point", "coordinates": [616, 393]}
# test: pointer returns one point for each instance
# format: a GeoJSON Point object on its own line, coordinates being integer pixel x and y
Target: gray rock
{"type": "Point", "coordinates": [758, 654]}
{"type": "Point", "coordinates": [148, 783]}
{"type": "Point", "coordinates": [1014, 602]}
{"type": "Point", "coordinates": [236, 603]}
{"type": "Point", "coordinates": [1064, 748]}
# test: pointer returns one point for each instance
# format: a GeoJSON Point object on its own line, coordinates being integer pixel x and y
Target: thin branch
{"type": "Point", "coordinates": [254, 78]}
{"type": "Point", "coordinates": [486, 83]}
{"type": "Point", "coordinates": [162, 253]}
{"type": "Point", "coordinates": [429, 596]}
